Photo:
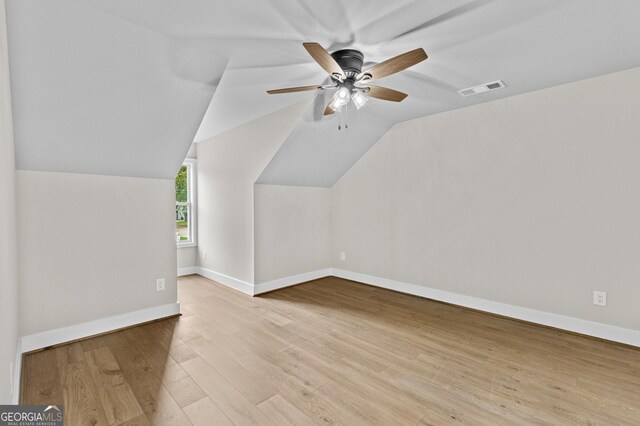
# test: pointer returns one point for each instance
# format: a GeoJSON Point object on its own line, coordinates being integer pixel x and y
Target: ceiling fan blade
{"type": "Point", "coordinates": [298, 89]}
{"type": "Point", "coordinates": [385, 94]}
{"type": "Point", "coordinates": [324, 59]}
{"type": "Point", "coordinates": [328, 110]}
{"type": "Point", "coordinates": [394, 65]}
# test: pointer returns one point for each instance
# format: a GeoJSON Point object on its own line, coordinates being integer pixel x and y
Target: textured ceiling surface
{"type": "Point", "coordinates": [121, 87]}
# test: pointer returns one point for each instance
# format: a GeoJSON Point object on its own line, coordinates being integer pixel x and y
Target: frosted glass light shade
{"type": "Point", "coordinates": [359, 99]}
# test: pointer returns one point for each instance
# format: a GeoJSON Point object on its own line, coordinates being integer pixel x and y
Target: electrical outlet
{"type": "Point", "coordinates": [160, 284]}
{"type": "Point", "coordinates": [600, 298]}
{"type": "Point", "coordinates": [343, 255]}
{"type": "Point", "coordinates": [204, 255]}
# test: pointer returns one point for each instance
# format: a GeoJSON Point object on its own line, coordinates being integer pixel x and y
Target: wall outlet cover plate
{"type": "Point", "coordinates": [600, 298]}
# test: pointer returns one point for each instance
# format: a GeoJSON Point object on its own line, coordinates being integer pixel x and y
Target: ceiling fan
{"type": "Point", "coordinates": [345, 69]}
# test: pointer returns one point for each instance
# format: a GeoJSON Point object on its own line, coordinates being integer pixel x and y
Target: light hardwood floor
{"type": "Point", "coordinates": [335, 351]}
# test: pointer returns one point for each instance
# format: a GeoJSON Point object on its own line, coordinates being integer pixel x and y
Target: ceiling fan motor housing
{"type": "Point", "coordinates": [350, 60]}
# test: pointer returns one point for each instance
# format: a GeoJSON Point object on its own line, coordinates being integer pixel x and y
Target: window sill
{"type": "Point", "coordinates": [187, 245]}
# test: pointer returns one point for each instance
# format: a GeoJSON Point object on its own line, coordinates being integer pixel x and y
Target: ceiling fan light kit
{"type": "Point", "coordinates": [345, 69]}
{"type": "Point", "coordinates": [359, 99]}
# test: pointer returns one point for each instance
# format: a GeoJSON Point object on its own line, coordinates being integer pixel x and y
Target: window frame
{"type": "Point", "coordinates": [192, 208]}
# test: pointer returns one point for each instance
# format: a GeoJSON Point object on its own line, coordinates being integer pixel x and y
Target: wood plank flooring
{"type": "Point", "coordinates": [334, 352]}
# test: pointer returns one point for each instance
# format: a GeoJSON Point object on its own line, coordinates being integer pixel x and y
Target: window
{"type": "Point", "coordinates": [185, 205]}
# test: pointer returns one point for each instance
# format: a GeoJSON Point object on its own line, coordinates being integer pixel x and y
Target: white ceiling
{"type": "Point", "coordinates": [93, 93]}
{"type": "Point", "coordinates": [120, 86]}
{"type": "Point", "coordinates": [316, 154]}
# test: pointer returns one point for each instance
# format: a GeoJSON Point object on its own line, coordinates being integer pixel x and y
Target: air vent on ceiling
{"type": "Point", "coordinates": [487, 87]}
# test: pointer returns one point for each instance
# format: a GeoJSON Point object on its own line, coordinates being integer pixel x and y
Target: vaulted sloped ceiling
{"type": "Point", "coordinates": [123, 87]}
{"type": "Point", "coordinates": [93, 93]}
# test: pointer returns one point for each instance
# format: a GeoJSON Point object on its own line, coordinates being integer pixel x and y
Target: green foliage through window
{"type": "Point", "coordinates": [183, 205]}
{"type": "Point", "coordinates": [181, 185]}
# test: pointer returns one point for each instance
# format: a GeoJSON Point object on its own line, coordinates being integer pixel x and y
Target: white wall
{"type": "Point", "coordinates": [92, 247]}
{"type": "Point", "coordinates": [187, 257]}
{"type": "Point", "coordinates": [228, 166]}
{"type": "Point", "coordinates": [8, 248]}
{"type": "Point", "coordinates": [292, 230]}
{"type": "Point", "coordinates": [532, 200]}
{"type": "Point", "coordinates": [193, 151]}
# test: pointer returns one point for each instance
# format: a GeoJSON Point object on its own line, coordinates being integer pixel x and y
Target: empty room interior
{"type": "Point", "coordinates": [319, 212]}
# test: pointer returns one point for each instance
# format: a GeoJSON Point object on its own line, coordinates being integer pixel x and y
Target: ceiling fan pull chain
{"type": "Point", "coordinates": [346, 116]}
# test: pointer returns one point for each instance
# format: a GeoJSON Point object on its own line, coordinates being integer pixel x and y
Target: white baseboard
{"type": "Point", "coordinates": [187, 270]}
{"type": "Point", "coordinates": [289, 281]}
{"type": "Point", "coordinates": [234, 283]}
{"type": "Point", "coordinates": [17, 374]}
{"type": "Point", "coordinates": [57, 336]}
{"type": "Point", "coordinates": [255, 289]}
{"type": "Point", "coordinates": [576, 325]}
{"type": "Point", "coordinates": [589, 328]}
